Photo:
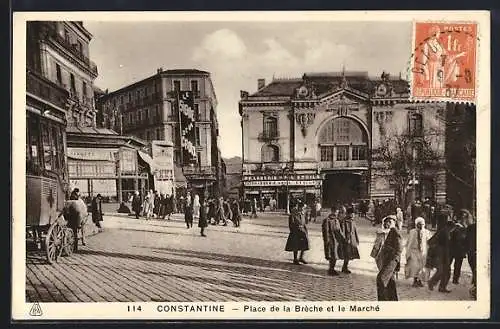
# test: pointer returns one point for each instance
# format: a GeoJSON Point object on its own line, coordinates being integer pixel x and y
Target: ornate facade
{"type": "Point", "coordinates": [317, 136]}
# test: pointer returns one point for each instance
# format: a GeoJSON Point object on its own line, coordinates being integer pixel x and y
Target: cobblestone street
{"type": "Point", "coordinates": [139, 260]}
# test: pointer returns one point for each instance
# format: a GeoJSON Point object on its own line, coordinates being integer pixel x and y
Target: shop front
{"type": "Point", "coordinates": [282, 188]}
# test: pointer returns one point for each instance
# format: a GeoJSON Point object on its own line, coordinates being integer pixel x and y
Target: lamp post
{"type": "Point", "coordinates": [286, 175]}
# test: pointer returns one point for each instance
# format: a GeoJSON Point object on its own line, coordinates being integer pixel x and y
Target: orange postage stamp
{"type": "Point", "coordinates": [444, 61]}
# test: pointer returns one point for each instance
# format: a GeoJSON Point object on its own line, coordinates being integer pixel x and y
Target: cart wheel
{"type": "Point", "coordinates": [69, 240]}
{"type": "Point", "coordinates": [53, 242]}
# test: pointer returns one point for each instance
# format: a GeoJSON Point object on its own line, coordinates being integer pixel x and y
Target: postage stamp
{"type": "Point", "coordinates": [250, 165]}
{"type": "Point", "coordinates": [444, 61]}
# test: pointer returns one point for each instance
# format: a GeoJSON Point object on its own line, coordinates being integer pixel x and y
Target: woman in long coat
{"type": "Point", "coordinates": [348, 249]}
{"type": "Point", "coordinates": [202, 221]}
{"type": "Point", "coordinates": [416, 252]}
{"type": "Point", "coordinates": [332, 238]}
{"type": "Point", "coordinates": [381, 234]}
{"type": "Point", "coordinates": [391, 257]}
{"type": "Point", "coordinates": [298, 237]}
{"type": "Point", "coordinates": [96, 209]}
{"type": "Point", "coordinates": [236, 213]}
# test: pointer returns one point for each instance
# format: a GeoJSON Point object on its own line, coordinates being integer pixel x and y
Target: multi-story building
{"type": "Point", "coordinates": [98, 160]}
{"type": "Point", "coordinates": [317, 137]}
{"type": "Point", "coordinates": [148, 109]}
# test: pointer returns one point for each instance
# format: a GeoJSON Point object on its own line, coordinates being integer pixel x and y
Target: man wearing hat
{"type": "Point", "coordinates": [348, 249]}
{"type": "Point", "coordinates": [390, 256]}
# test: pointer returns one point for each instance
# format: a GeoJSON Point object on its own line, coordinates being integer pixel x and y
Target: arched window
{"type": "Point", "coordinates": [343, 130]}
{"type": "Point", "coordinates": [270, 153]}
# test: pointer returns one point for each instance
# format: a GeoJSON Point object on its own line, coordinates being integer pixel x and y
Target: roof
{"type": "Point", "coordinates": [279, 88]}
{"type": "Point", "coordinates": [90, 130]}
{"type": "Point", "coordinates": [156, 75]}
{"type": "Point", "coordinates": [324, 82]}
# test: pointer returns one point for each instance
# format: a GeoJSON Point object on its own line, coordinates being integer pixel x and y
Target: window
{"type": "Point", "coordinates": [415, 127]}
{"type": "Point", "coordinates": [121, 100]}
{"type": "Point", "coordinates": [80, 47]}
{"type": "Point", "coordinates": [146, 115]}
{"type": "Point", "coordinates": [270, 127]}
{"type": "Point", "coordinates": [32, 147]}
{"type": "Point", "coordinates": [84, 88]}
{"type": "Point", "coordinates": [129, 97]}
{"type": "Point", "coordinates": [138, 94]}
{"type": "Point", "coordinates": [177, 85]}
{"type": "Point", "coordinates": [158, 113]}
{"type": "Point", "coordinates": [139, 116]}
{"type": "Point", "coordinates": [270, 153]}
{"type": "Point", "coordinates": [148, 136]}
{"type": "Point", "coordinates": [66, 36]}
{"type": "Point", "coordinates": [196, 112]}
{"type": "Point", "coordinates": [359, 152]}
{"type": "Point", "coordinates": [158, 134]}
{"type": "Point", "coordinates": [326, 153]}
{"type": "Point", "coordinates": [198, 158]}
{"type": "Point", "coordinates": [58, 74]}
{"type": "Point", "coordinates": [146, 91]}
{"type": "Point", "coordinates": [47, 148]}
{"type": "Point", "coordinates": [194, 88]}
{"type": "Point", "coordinates": [130, 119]}
{"type": "Point", "coordinates": [342, 153]}
{"type": "Point", "coordinates": [197, 136]}
{"type": "Point", "coordinates": [343, 130]}
{"type": "Point", "coordinates": [72, 81]}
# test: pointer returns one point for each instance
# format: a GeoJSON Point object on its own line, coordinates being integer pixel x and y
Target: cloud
{"type": "Point", "coordinates": [222, 44]}
{"type": "Point", "coordinates": [323, 52]}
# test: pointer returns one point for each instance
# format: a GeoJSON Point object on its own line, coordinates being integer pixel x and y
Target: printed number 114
{"type": "Point", "coordinates": [134, 308]}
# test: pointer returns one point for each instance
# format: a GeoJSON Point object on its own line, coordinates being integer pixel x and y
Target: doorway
{"type": "Point", "coordinates": [341, 187]}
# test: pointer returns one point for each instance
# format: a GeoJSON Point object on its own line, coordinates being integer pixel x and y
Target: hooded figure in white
{"type": "Point", "coordinates": [387, 223]}
{"type": "Point", "coordinates": [196, 206]}
{"type": "Point", "coordinates": [416, 252]}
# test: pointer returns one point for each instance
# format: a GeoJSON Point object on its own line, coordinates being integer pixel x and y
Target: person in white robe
{"type": "Point", "coordinates": [416, 252]}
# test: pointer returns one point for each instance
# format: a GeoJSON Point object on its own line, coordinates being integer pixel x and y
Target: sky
{"type": "Point", "coordinates": [238, 53]}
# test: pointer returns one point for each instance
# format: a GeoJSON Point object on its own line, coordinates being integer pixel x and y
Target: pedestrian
{"type": "Point", "coordinates": [254, 208]}
{"type": "Point", "coordinates": [349, 246]}
{"type": "Point", "coordinates": [458, 246]}
{"type": "Point", "coordinates": [390, 256]}
{"type": "Point", "coordinates": [438, 255]}
{"type": "Point", "coordinates": [188, 211]}
{"type": "Point", "coordinates": [228, 212]}
{"type": "Point", "coordinates": [211, 211]}
{"type": "Point", "coordinates": [148, 205]}
{"type": "Point", "coordinates": [202, 221]}
{"type": "Point", "coordinates": [196, 206]}
{"type": "Point", "coordinates": [381, 235]}
{"type": "Point", "coordinates": [399, 218]}
{"type": "Point", "coordinates": [96, 208]}
{"type": "Point", "coordinates": [332, 238]}
{"type": "Point", "coordinates": [298, 239]}
{"type": "Point", "coordinates": [471, 243]}
{"type": "Point", "coordinates": [416, 252]}
{"type": "Point", "coordinates": [236, 219]}
{"type": "Point", "coordinates": [136, 204]}
{"type": "Point", "coordinates": [219, 212]}
{"type": "Point", "coordinates": [75, 211]}
{"type": "Point", "coordinates": [156, 204]}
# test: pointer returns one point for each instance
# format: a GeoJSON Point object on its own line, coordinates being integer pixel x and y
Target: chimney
{"type": "Point", "coordinates": [261, 83]}
{"type": "Point", "coordinates": [159, 70]}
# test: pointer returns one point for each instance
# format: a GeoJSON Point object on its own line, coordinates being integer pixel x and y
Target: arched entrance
{"type": "Point", "coordinates": [343, 156]}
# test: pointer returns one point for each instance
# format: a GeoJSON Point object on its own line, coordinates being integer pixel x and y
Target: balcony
{"type": "Point", "coordinates": [267, 136]}
{"type": "Point", "coordinates": [343, 164]}
{"type": "Point", "coordinates": [46, 90]}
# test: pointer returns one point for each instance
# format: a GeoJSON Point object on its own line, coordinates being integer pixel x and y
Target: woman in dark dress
{"type": "Point", "coordinates": [188, 211]}
{"type": "Point", "coordinates": [202, 221]}
{"type": "Point", "coordinates": [298, 239]}
{"type": "Point", "coordinates": [97, 211]}
{"type": "Point", "coordinates": [390, 257]}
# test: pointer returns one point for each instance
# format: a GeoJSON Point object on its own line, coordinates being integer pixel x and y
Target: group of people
{"type": "Point", "coordinates": [340, 236]}
{"type": "Point", "coordinates": [154, 205]}
{"type": "Point", "coordinates": [454, 240]}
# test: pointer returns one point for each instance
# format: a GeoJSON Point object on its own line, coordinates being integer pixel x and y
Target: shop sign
{"type": "Point", "coordinates": [83, 153]}
{"type": "Point", "coordinates": [282, 183]}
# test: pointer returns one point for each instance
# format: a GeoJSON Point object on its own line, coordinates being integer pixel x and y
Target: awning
{"type": "Point", "coordinates": [149, 160]}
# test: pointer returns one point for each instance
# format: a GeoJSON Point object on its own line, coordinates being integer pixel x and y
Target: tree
{"type": "Point", "coordinates": [404, 157]}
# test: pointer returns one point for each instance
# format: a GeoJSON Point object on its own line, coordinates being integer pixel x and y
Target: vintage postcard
{"type": "Point", "coordinates": [251, 165]}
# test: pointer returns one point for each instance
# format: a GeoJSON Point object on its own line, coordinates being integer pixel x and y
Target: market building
{"type": "Point", "coordinates": [149, 110]}
{"type": "Point", "coordinates": [316, 137]}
